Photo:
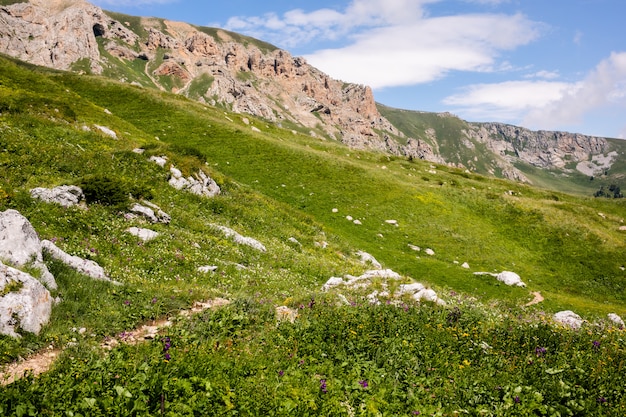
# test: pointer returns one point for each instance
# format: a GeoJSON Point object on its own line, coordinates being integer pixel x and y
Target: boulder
{"type": "Point", "coordinates": [27, 307]}
{"type": "Point", "coordinates": [65, 195]}
{"type": "Point", "coordinates": [20, 245]}
{"type": "Point", "coordinates": [143, 234]}
{"type": "Point", "coordinates": [151, 212]}
{"type": "Point", "coordinates": [159, 160]}
{"type": "Point", "coordinates": [200, 184]}
{"type": "Point", "coordinates": [332, 282]}
{"type": "Point", "coordinates": [366, 258]}
{"type": "Point", "coordinates": [207, 268]}
{"type": "Point", "coordinates": [617, 320]}
{"type": "Point", "coordinates": [239, 239]}
{"type": "Point", "coordinates": [428, 294]}
{"type": "Point", "coordinates": [106, 131]}
{"type": "Point", "coordinates": [84, 266]}
{"type": "Point", "coordinates": [409, 288]}
{"type": "Point", "coordinates": [568, 318]}
{"type": "Point", "coordinates": [510, 278]}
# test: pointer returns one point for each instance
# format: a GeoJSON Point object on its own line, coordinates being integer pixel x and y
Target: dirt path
{"type": "Point", "coordinates": [43, 360]}
{"type": "Point", "coordinates": [538, 298]}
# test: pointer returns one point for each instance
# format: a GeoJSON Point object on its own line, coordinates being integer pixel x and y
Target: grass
{"type": "Point", "coordinates": [374, 360]}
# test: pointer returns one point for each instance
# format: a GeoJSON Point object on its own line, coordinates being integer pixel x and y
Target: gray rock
{"type": "Point", "coordinates": [239, 239]}
{"type": "Point", "coordinates": [207, 268]}
{"type": "Point", "coordinates": [367, 258]}
{"type": "Point", "coordinates": [200, 184]}
{"type": "Point", "coordinates": [510, 278]}
{"type": "Point", "coordinates": [159, 160]}
{"type": "Point", "coordinates": [84, 266]}
{"type": "Point", "coordinates": [568, 318]}
{"type": "Point", "coordinates": [28, 307]}
{"type": "Point", "coordinates": [106, 131]}
{"type": "Point", "coordinates": [20, 245]}
{"type": "Point", "coordinates": [617, 320]}
{"type": "Point", "coordinates": [65, 195]}
{"type": "Point", "coordinates": [152, 212]}
{"type": "Point", "coordinates": [143, 234]}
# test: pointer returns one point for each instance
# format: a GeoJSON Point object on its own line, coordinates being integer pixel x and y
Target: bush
{"type": "Point", "coordinates": [104, 190]}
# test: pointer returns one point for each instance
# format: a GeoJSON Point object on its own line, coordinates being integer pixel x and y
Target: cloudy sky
{"type": "Point", "coordinates": [543, 64]}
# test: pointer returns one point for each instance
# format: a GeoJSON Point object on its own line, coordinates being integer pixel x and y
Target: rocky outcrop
{"type": "Point", "coordinates": [250, 77]}
{"type": "Point", "coordinates": [199, 184]}
{"type": "Point", "coordinates": [240, 239]}
{"type": "Point", "coordinates": [65, 195]}
{"type": "Point", "coordinates": [20, 245]}
{"type": "Point", "coordinates": [24, 302]}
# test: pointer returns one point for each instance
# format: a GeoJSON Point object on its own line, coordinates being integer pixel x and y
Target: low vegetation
{"type": "Point", "coordinates": [483, 353]}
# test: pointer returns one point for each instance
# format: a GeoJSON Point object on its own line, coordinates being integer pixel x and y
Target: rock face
{"type": "Point", "coordinates": [20, 245]}
{"type": "Point", "coordinates": [200, 184]}
{"type": "Point", "coordinates": [65, 195]}
{"type": "Point", "coordinates": [28, 306]}
{"type": "Point", "coordinates": [84, 266]}
{"type": "Point", "coordinates": [242, 73]}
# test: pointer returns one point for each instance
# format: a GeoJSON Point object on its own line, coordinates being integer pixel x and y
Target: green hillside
{"type": "Point", "coordinates": [477, 355]}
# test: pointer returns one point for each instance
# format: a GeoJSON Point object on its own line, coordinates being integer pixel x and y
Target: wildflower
{"type": "Point", "coordinates": [281, 373]}
{"type": "Point", "coordinates": [311, 303]}
{"type": "Point", "coordinates": [127, 302]}
{"type": "Point", "coordinates": [540, 351]}
{"type": "Point", "coordinates": [516, 400]}
{"type": "Point", "coordinates": [167, 357]}
{"type": "Point", "coordinates": [601, 400]}
{"type": "Point", "coordinates": [416, 413]}
{"type": "Point", "coordinates": [363, 383]}
{"type": "Point", "coordinates": [154, 300]}
{"type": "Point", "coordinates": [323, 386]}
{"type": "Point", "coordinates": [596, 345]}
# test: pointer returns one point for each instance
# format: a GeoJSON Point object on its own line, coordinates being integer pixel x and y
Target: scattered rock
{"type": "Point", "coordinates": [410, 288]}
{"type": "Point", "coordinates": [152, 212]}
{"type": "Point", "coordinates": [622, 228]}
{"type": "Point", "coordinates": [106, 131]}
{"type": "Point", "coordinates": [322, 244]}
{"type": "Point", "coordinates": [200, 184]}
{"type": "Point", "coordinates": [357, 222]}
{"type": "Point", "coordinates": [507, 277]}
{"type": "Point", "coordinates": [208, 268]}
{"type": "Point", "coordinates": [139, 151]}
{"type": "Point", "coordinates": [367, 258]}
{"type": "Point", "coordinates": [143, 234]}
{"type": "Point", "coordinates": [335, 210]}
{"type": "Point", "coordinates": [415, 248]}
{"type": "Point", "coordinates": [84, 266]}
{"type": "Point", "coordinates": [27, 308]}
{"type": "Point", "coordinates": [349, 218]}
{"type": "Point", "coordinates": [465, 265]}
{"type": "Point", "coordinates": [568, 318]}
{"type": "Point", "coordinates": [392, 222]}
{"type": "Point", "coordinates": [616, 320]}
{"type": "Point", "coordinates": [294, 241]}
{"type": "Point", "coordinates": [20, 245]}
{"type": "Point", "coordinates": [255, 129]}
{"type": "Point", "coordinates": [159, 160]}
{"type": "Point", "coordinates": [239, 239]}
{"type": "Point", "coordinates": [65, 195]}
{"type": "Point", "coordinates": [429, 252]}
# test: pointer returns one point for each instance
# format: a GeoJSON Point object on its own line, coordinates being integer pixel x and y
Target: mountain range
{"type": "Point", "coordinates": [249, 76]}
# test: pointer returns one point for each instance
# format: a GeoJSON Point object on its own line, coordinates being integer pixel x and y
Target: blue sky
{"type": "Point", "coordinates": [542, 64]}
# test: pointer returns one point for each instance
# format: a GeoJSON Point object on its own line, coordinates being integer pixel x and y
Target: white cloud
{"type": "Point", "coordinates": [604, 86]}
{"type": "Point", "coordinates": [546, 75]}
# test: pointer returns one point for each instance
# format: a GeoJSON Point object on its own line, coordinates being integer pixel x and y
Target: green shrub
{"type": "Point", "coordinates": [104, 190]}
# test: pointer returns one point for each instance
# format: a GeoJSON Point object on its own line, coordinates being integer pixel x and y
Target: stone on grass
{"type": "Point", "coordinates": [465, 265]}
{"type": "Point", "coordinates": [20, 245]}
{"type": "Point", "coordinates": [366, 258]}
{"type": "Point", "coordinates": [199, 184]}
{"type": "Point", "coordinates": [207, 268]}
{"type": "Point", "coordinates": [294, 241]}
{"type": "Point", "coordinates": [27, 307]}
{"type": "Point", "coordinates": [151, 212]}
{"type": "Point", "coordinates": [65, 195]}
{"type": "Point", "coordinates": [429, 252]}
{"type": "Point", "coordinates": [85, 266]}
{"type": "Point", "coordinates": [159, 160]}
{"type": "Point", "coordinates": [284, 313]}
{"type": "Point", "coordinates": [332, 282]}
{"type": "Point", "coordinates": [409, 288]}
{"type": "Point", "coordinates": [106, 131]}
{"type": "Point", "coordinates": [510, 278]}
{"type": "Point", "coordinates": [392, 222]}
{"type": "Point", "coordinates": [617, 320]}
{"type": "Point", "coordinates": [239, 239]}
{"type": "Point", "coordinates": [568, 318]}
{"type": "Point", "coordinates": [143, 234]}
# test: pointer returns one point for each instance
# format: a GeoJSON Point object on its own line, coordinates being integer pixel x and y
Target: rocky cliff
{"type": "Point", "coordinates": [210, 65]}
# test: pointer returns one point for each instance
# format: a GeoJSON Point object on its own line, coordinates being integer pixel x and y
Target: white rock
{"type": "Point", "coordinates": [415, 248]}
{"type": "Point", "coordinates": [322, 244]}
{"type": "Point", "coordinates": [159, 160]}
{"type": "Point", "coordinates": [143, 234]}
{"type": "Point", "coordinates": [357, 222]}
{"type": "Point", "coordinates": [430, 295]}
{"type": "Point", "coordinates": [149, 212]}
{"type": "Point", "coordinates": [294, 240]}
{"type": "Point", "coordinates": [510, 278]}
{"type": "Point", "coordinates": [410, 288]}
{"type": "Point", "coordinates": [381, 273]}
{"type": "Point", "coordinates": [332, 282]}
{"type": "Point", "coordinates": [162, 217]}
{"type": "Point", "coordinates": [201, 184]}
{"type": "Point", "coordinates": [568, 318]}
{"type": "Point", "coordinates": [239, 239]}
{"type": "Point", "coordinates": [392, 222]}
{"type": "Point", "coordinates": [20, 245]}
{"type": "Point", "coordinates": [207, 268]}
{"type": "Point", "coordinates": [84, 266]}
{"type": "Point", "coordinates": [29, 308]}
{"type": "Point", "coordinates": [429, 251]}
{"type": "Point", "coordinates": [106, 131]}
{"type": "Point", "coordinates": [255, 129]}
{"type": "Point", "coordinates": [616, 319]}
{"type": "Point", "coordinates": [349, 218]}
{"type": "Point", "coordinates": [367, 258]}
{"type": "Point", "coordinates": [65, 195]}
{"type": "Point", "coordinates": [373, 298]}
{"type": "Point", "coordinates": [465, 265]}
{"type": "Point", "coordinates": [139, 151]}
{"type": "Point", "coordinates": [335, 210]}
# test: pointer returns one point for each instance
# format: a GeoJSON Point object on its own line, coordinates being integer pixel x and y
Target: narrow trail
{"type": "Point", "coordinates": [538, 298]}
{"type": "Point", "coordinates": [42, 361]}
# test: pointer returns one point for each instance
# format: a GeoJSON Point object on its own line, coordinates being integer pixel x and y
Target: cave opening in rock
{"type": "Point", "coordinates": [98, 30]}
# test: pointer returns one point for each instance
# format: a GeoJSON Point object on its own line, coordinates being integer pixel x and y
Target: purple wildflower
{"type": "Point", "coordinates": [154, 300]}
{"type": "Point", "coordinates": [540, 351]}
{"type": "Point", "coordinates": [281, 373]}
{"type": "Point", "coordinates": [363, 383]}
{"type": "Point", "coordinates": [311, 303]}
{"type": "Point", "coordinates": [416, 413]}
{"type": "Point", "coordinates": [596, 345]}
{"type": "Point", "coordinates": [601, 400]}
{"type": "Point", "coordinates": [323, 386]}
{"type": "Point", "coordinates": [167, 357]}
{"type": "Point", "coordinates": [127, 302]}
{"type": "Point", "coordinates": [516, 400]}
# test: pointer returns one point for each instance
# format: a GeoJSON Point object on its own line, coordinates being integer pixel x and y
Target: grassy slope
{"type": "Point", "coordinates": [278, 185]}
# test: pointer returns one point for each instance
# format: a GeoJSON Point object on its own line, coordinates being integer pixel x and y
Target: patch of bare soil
{"type": "Point", "coordinates": [43, 360]}
{"type": "Point", "coordinates": [538, 298]}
